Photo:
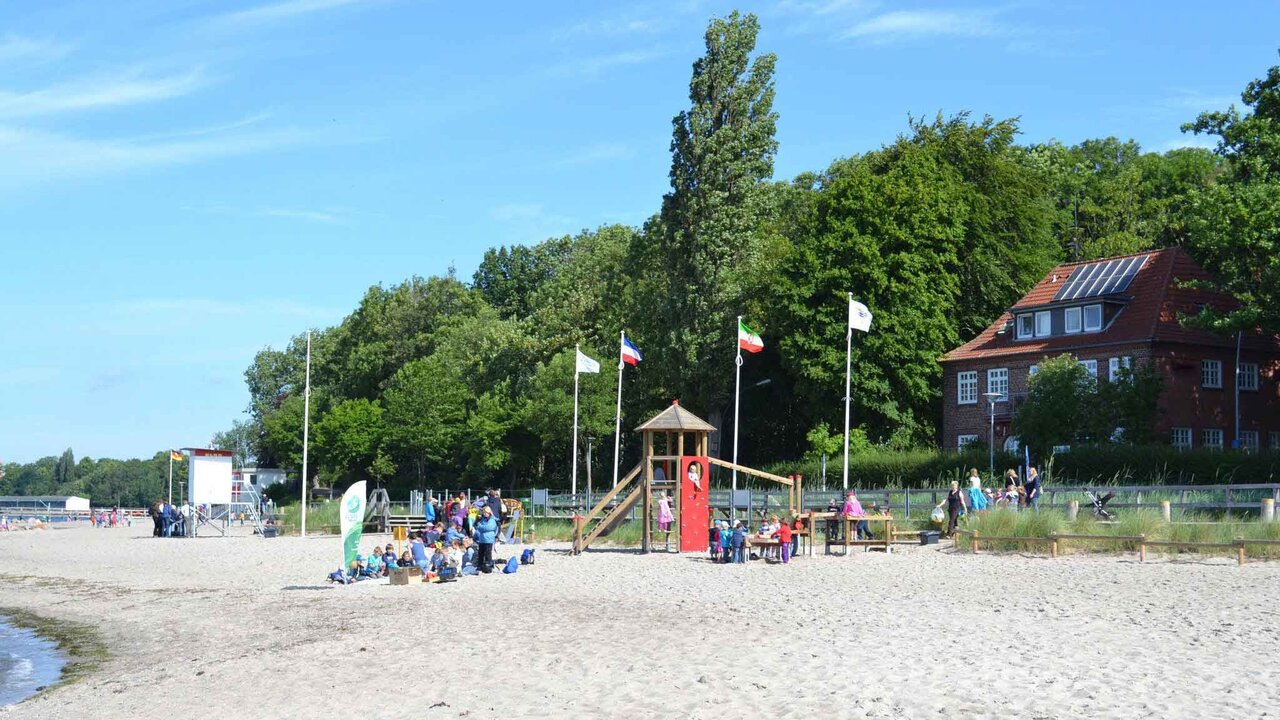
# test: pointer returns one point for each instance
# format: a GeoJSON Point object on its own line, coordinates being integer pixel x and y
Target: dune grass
{"type": "Point", "coordinates": [1147, 523]}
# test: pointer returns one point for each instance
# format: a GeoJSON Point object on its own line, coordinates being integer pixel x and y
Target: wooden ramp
{"type": "Point", "coordinates": [605, 518]}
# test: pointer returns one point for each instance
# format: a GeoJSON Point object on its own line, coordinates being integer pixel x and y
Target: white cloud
{"type": "Point", "coordinates": [14, 48]}
{"type": "Point", "coordinates": [27, 376]}
{"type": "Point", "coordinates": [1190, 141]}
{"type": "Point", "coordinates": [316, 216]}
{"type": "Point", "coordinates": [275, 12]}
{"type": "Point", "coordinates": [903, 24]}
{"type": "Point", "coordinates": [599, 152]}
{"type": "Point", "coordinates": [517, 211]}
{"type": "Point", "coordinates": [194, 308]}
{"type": "Point", "coordinates": [97, 93]}
{"type": "Point", "coordinates": [594, 65]}
{"type": "Point", "coordinates": [29, 157]}
{"type": "Point", "coordinates": [615, 27]}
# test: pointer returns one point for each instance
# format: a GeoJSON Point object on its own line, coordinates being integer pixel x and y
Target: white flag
{"type": "Point", "coordinates": [587, 365]}
{"type": "Point", "coordinates": [859, 316]}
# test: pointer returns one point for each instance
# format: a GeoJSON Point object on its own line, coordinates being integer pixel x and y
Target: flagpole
{"type": "Point", "coordinates": [848, 368]}
{"type": "Point", "coordinates": [306, 429]}
{"type": "Point", "coordinates": [737, 387]}
{"type": "Point", "coordinates": [171, 477]}
{"type": "Point", "coordinates": [573, 487]}
{"type": "Point", "coordinates": [617, 418]}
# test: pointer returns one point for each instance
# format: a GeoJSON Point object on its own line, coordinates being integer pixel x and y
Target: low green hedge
{"type": "Point", "coordinates": [1111, 465]}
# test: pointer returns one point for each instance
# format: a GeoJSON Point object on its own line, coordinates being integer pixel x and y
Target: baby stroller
{"type": "Point", "coordinates": [1100, 504]}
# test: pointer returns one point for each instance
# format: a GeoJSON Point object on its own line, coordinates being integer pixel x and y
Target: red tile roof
{"type": "Point", "coordinates": [1153, 302]}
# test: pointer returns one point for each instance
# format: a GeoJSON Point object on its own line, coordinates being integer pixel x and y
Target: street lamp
{"type": "Point", "coordinates": [992, 399]}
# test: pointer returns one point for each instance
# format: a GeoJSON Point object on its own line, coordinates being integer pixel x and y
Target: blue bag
{"type": "Point", "coordinates": [512, 565]}
{"type": "Point", "coordinates": [526, 557]}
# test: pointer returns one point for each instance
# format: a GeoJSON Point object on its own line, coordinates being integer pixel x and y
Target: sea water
{"type": "Point", "coordinates": [28, 663]}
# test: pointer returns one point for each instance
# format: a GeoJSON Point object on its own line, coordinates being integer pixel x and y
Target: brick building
{"type": "Point", "coordinates": [1109, 314]}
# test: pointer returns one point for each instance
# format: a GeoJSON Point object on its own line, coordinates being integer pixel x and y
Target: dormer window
{"type": "Point", "coordinates": [1092, 318]}
{"type": "Point", "coordinates": [1044, 324]}
{"type": "Point", "coordinates": [1026, 327]}
{"type": "Point", "coordinates": [1071, 320]}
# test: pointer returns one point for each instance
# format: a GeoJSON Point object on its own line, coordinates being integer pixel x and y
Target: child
{"type": "Point", "coordinates": [468, 554]}
{"type": "Point", "coordinates": [665, 518]}
{"type": "Point", "coordinates": [406, 560]}
{"type": "Point", "coordinates": [726, 541]}
{"type": "Point", "coordinates": [796, 529]}
{"type": "Point", "coordinates": [738, 541]}
{"type": "Point", "coordinates": [419, 552]}
{"type": "Point", "coordinates": [784, 542]}
{"type": "Point", "coordinates": [713, 540]}
{"type": "Point", "coordinates": [1010, 497]}
{"type": "Point", "coordinates": [389, 559]}
{"type": "Point", "coordinates": [375, 562]}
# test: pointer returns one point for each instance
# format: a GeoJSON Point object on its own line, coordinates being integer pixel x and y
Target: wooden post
{"type": "Point", "coordinates": [973, 540]}
{"type": "Point", "coordinates": [846, 535]}
{"type": "Point", "coordinates": [647, 479]}
{"type": "Point", "coordinates": [1165, 511]}
{"type": "Point", "coordinates": [1268, 510]}
{"type": "Point", "coordinates": [1142, 548]}
{"type": "Point", "coordinates": [1240, 551]}
{"type": "Point", "coordinates": [1073, 509]}
{"type": "Point", "coordinates": [577, 534]}
{"type": "Point", "coordinates": [1053, 546]}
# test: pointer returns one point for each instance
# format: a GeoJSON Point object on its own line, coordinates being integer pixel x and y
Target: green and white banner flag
{"type": "Point", "coordinates": [352, 523]}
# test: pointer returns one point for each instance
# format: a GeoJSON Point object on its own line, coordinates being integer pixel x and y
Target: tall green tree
{"type": "Point", "coordinates": [1235, 227]}
{"type": "Point", "coordinates": [350, 437]}
{"type": "Point", "coordinates": [937, 233]}
{"type": "Point", "coordinates": [426, 410]}
{"type": "Point", "coordinates": [722, 150]}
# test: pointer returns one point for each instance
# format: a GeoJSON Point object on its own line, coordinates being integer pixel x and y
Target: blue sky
{"type": "Point", "coordinates": [185, 182]}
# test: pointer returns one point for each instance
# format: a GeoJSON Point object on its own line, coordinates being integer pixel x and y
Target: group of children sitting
{"type": "Point", "coordinates": [456, 557]}
{"type": "Point", "coordinates": [728, 544]}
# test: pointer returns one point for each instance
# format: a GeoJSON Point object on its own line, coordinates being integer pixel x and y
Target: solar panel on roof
{"type": "Point", "coordinates": [1100, 278]}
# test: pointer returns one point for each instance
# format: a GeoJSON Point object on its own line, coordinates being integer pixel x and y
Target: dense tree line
{"type": "Point", "coordinates": [438, 380]}
{"type": "Point", "coordinates": [107, 482]}
{"type": "Point", "coordinates": [435, 380]}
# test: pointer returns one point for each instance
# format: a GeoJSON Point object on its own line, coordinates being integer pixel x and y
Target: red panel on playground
{"type": "Point", "coordinates": [695, 515]}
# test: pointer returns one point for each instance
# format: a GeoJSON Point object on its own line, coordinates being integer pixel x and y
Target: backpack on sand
{"type": "Point", "coordinates": [512, 565]}
{"type": "Point", "coordinates": [526, 557]}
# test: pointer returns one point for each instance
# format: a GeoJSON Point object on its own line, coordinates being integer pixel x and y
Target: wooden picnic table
{"type": "Point", "coordinates": [850, 528]}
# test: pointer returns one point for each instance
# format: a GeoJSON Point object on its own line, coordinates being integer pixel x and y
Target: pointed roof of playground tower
{"type": "Point", "coordinates": [676, 419]}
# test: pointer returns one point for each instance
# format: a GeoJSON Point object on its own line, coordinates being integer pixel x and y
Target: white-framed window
{"type": "Point", "coordinates": [998, 381]}
{"type": "Point", "coordinates": [1058, 449]}
{"type": "Point", "coordinates": [1092, 367]}
{"type": "Point", "coordinates": [1275, 441]}
{"type": "Point", "coordinates": [1026, 326]}
{"type": "Point", "coordinates": [1044, 324]}
{"type": "Point", "coordinates": [964, 440]}
{"type": "Point", "coordinates": [1211, 373]}
{"type": "Point", "coordinates": [1071, 320]}
{"type": "Point", "coordinates": [1115, 364]}
{"type": "Point", "coordinates": [1249, 441]}
{"type": "Point", "coordinates": [1248, 376]}
{"type": "Point", "coordinates": [967, 387]}
{"type": "Point", "coordinates": [1092, 318]}
{"type": "Point", "coordinates": [1211, 438]}
{"type": "Point", "coordinates": [1182, 438]}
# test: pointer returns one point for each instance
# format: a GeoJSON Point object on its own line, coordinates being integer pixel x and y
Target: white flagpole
{"type": "Point", "coordinates": [848, 367]}
{"type": "Point", "coordinates": [737, 386]}
{"type": "Point", "coordinates": [617, 418]}
{"type": "Point", "coordinates": [306, 428]}
{"type": "Point", "coordinates": [573, 487]}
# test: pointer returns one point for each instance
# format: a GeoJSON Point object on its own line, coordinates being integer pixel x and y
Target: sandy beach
{"type": "Point", "coordinates": [243, 627]}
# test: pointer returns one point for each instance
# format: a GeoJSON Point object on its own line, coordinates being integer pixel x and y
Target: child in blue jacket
{"type": "Point", "coordinates": [738, 541]}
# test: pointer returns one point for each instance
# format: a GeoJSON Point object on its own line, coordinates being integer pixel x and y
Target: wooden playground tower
{"type": "Point", "coordinates": [665, 438]}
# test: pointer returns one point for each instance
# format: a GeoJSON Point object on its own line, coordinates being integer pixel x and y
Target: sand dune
{"type": "Point", "coordinates": [245, 628]}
